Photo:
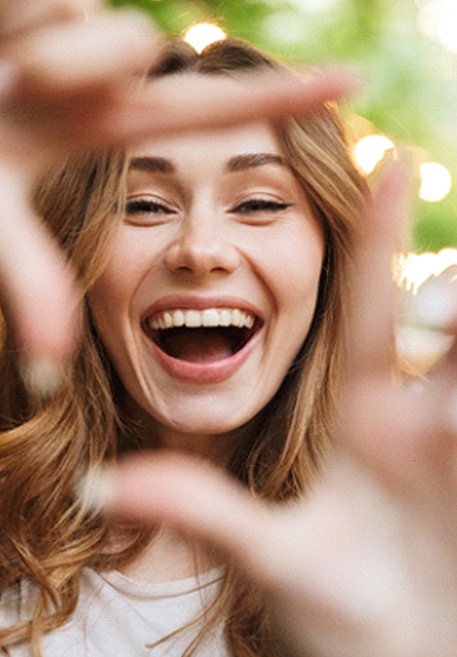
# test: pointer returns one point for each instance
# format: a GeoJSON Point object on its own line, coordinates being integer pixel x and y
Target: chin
{"type": "Point", "coordinates": [208, 424]}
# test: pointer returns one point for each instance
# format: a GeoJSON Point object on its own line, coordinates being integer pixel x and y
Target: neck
{"type": "Point", "coordinates": [169, 557]}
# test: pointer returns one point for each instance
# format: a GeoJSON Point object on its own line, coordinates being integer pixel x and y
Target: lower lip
{"type": "Point", "coordinates": [204, 373]}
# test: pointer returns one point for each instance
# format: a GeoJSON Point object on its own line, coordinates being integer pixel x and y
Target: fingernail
{"type": "Point", "coordinates": [96, 488]}
{"type": "Point", "coordinates": [43, 376]}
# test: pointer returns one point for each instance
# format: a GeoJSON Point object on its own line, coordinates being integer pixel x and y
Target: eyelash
{"type": "Point", "coordinates": [260, 205]}
{"type": "Point", "coordinates": [251, 206]}
{"type": "Point", "coordinates": [143, 206]}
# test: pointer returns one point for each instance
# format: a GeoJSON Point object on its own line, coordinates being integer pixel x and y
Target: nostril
{"type": "Point", "coordinates": [184, 268]}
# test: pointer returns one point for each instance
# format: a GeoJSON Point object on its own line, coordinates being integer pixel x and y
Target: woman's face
{"type": "Point", "coordinates": [212, 285]}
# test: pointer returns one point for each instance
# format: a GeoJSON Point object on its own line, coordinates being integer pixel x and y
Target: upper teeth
{"type": "Point", "coordinates": [208, 318]}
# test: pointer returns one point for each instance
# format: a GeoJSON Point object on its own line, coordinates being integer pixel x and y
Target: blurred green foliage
{"type": "Point", "coordinates": [411, 89]}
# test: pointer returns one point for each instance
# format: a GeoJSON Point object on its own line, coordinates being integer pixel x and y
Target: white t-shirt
{"type": "Point", "coordinates": [119, 617]}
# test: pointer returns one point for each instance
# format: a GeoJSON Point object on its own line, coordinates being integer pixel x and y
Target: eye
{"type": "Point", "coordinates": [259, 205]}
{"type": "Point", "coordinates": [147, 211]}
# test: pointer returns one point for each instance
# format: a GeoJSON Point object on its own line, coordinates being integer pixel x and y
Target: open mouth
{"type": "Point", "coordinates": [202, 336]}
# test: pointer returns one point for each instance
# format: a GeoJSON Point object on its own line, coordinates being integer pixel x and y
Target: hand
{"type": "Point", "coordinates": [68, 82]}
{"type": "Point", "coordinates": [367, 563]}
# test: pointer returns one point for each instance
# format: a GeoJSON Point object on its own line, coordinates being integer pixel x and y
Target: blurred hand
{"type": "Point", "coordinates": [367, 563]}
{"type": "Point", "coordinates": [69, 82]}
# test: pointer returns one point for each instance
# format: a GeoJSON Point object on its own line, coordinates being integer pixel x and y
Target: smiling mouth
{"type": "Point", "coordinates": [202, 336]}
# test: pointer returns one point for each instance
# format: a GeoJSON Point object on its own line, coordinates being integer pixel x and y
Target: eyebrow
{"type": "Point", "coordinates": [152, 164]}
{"type": "Point", "coordinates": [241, 162]}
{"type": "Point", "coordinates": [237, 163]}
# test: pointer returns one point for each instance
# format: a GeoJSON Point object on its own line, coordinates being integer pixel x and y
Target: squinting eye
{"type": "Point", "coordinates": [260, 205]}
{"type": "Point", "coordinates": [145, 206]}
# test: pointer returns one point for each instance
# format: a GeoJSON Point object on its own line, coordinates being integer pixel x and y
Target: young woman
{"type": "Point", "coordinates": [215, 268]}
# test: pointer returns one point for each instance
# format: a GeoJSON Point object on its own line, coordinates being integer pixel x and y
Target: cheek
{"type": "Point", "coordinates": [109, 304]}
{"type": "Point", "coordinates": [292, 265]}
{"type": "Point", "coordinates": [106, 303]}
{"type": "Point", "coordinates": [111, 297]}
{"type": "Point", "coordinates": [115, 289]}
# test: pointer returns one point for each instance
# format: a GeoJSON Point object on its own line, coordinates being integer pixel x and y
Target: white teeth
{"type": "Point", "coordinates": [210, 317]}
{"type": "Point", "coordinates": [192, 319]}
{"type": "Point", "coordinates": [225, 317]}
{"type": "Point", "coordinates": [248, 321]}
{"type": "Point", "coordinates": [177, 319]}
{"type": "Point", "coordinates": [168, 319]}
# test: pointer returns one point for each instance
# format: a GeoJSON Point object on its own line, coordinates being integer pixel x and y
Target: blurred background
{"type": "Point", "coordinates": [408, 49]}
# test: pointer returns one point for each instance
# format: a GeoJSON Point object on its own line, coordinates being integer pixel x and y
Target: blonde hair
{"type": "Point", "coordinates": [47, 535]}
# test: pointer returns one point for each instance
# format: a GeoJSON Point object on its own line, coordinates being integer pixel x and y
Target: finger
{"type": "Point", "coordinates": [386, 426]}
{"type": "Point", "coordinates": [199, 102]}
{"type": "Point", "coordinates": [38, 292]}
{"type": "Point", "coordinates": [66, 57]}
{"type": "Point", "coordinates": [184, 492]}
{"type": "Point", "coordinates": [99, 117]}
{"type": "Point", "coordinates": [373, 293]}
{"type": "Point", "coordinates": [22, 16]}
{"type": "Point", "coordinates": [201, 499]}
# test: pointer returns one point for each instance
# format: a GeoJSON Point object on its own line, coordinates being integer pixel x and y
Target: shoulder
{"type": "Point", "coordinates": [17, 605]}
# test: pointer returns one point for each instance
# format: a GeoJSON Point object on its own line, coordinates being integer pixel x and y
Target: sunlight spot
{"type": "Point", "coordinates": [412, 270]}
{"type": "Point", "coordinates": [203, 34]}
{"type": "Point", "coordinates": [370, 150]}
{"type": "Point", "coordinates": [428, 306]}
{"type": "Point", "coordinates": [437, 19]}
{"type": "Point", "coordinates": [436, 182]}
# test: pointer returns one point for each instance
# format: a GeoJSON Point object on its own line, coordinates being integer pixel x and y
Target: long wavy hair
{"type": "Point", "coordinates": [47, 533]}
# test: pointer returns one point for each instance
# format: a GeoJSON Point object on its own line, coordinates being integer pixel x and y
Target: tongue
{"type": "Point", "coordinates": [199, 346]}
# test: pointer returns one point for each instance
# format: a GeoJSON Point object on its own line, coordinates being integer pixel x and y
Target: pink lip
{"type": "Point", "coordinates": [201, 373]}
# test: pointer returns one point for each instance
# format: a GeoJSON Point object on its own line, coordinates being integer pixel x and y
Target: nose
{"type": "Point", "coordinates": [202, 247]}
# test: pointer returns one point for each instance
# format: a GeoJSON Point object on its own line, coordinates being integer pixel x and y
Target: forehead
{"type": "Point", "coordinates": [212, 147]}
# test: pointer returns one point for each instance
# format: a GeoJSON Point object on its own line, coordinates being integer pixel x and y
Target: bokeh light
{"type": "Point", "coordinates": [412, 270]}
{"type": "Point", "coordinates": [370, 150]}
{"type": "Point", "coordinates": [428, 280]}
{"type": "Point", "coordinates": [437, 19]}
{"type": "Point", "coordinates": [436, 182]}
{"type": "Point", "coordinates": [203, 34]}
